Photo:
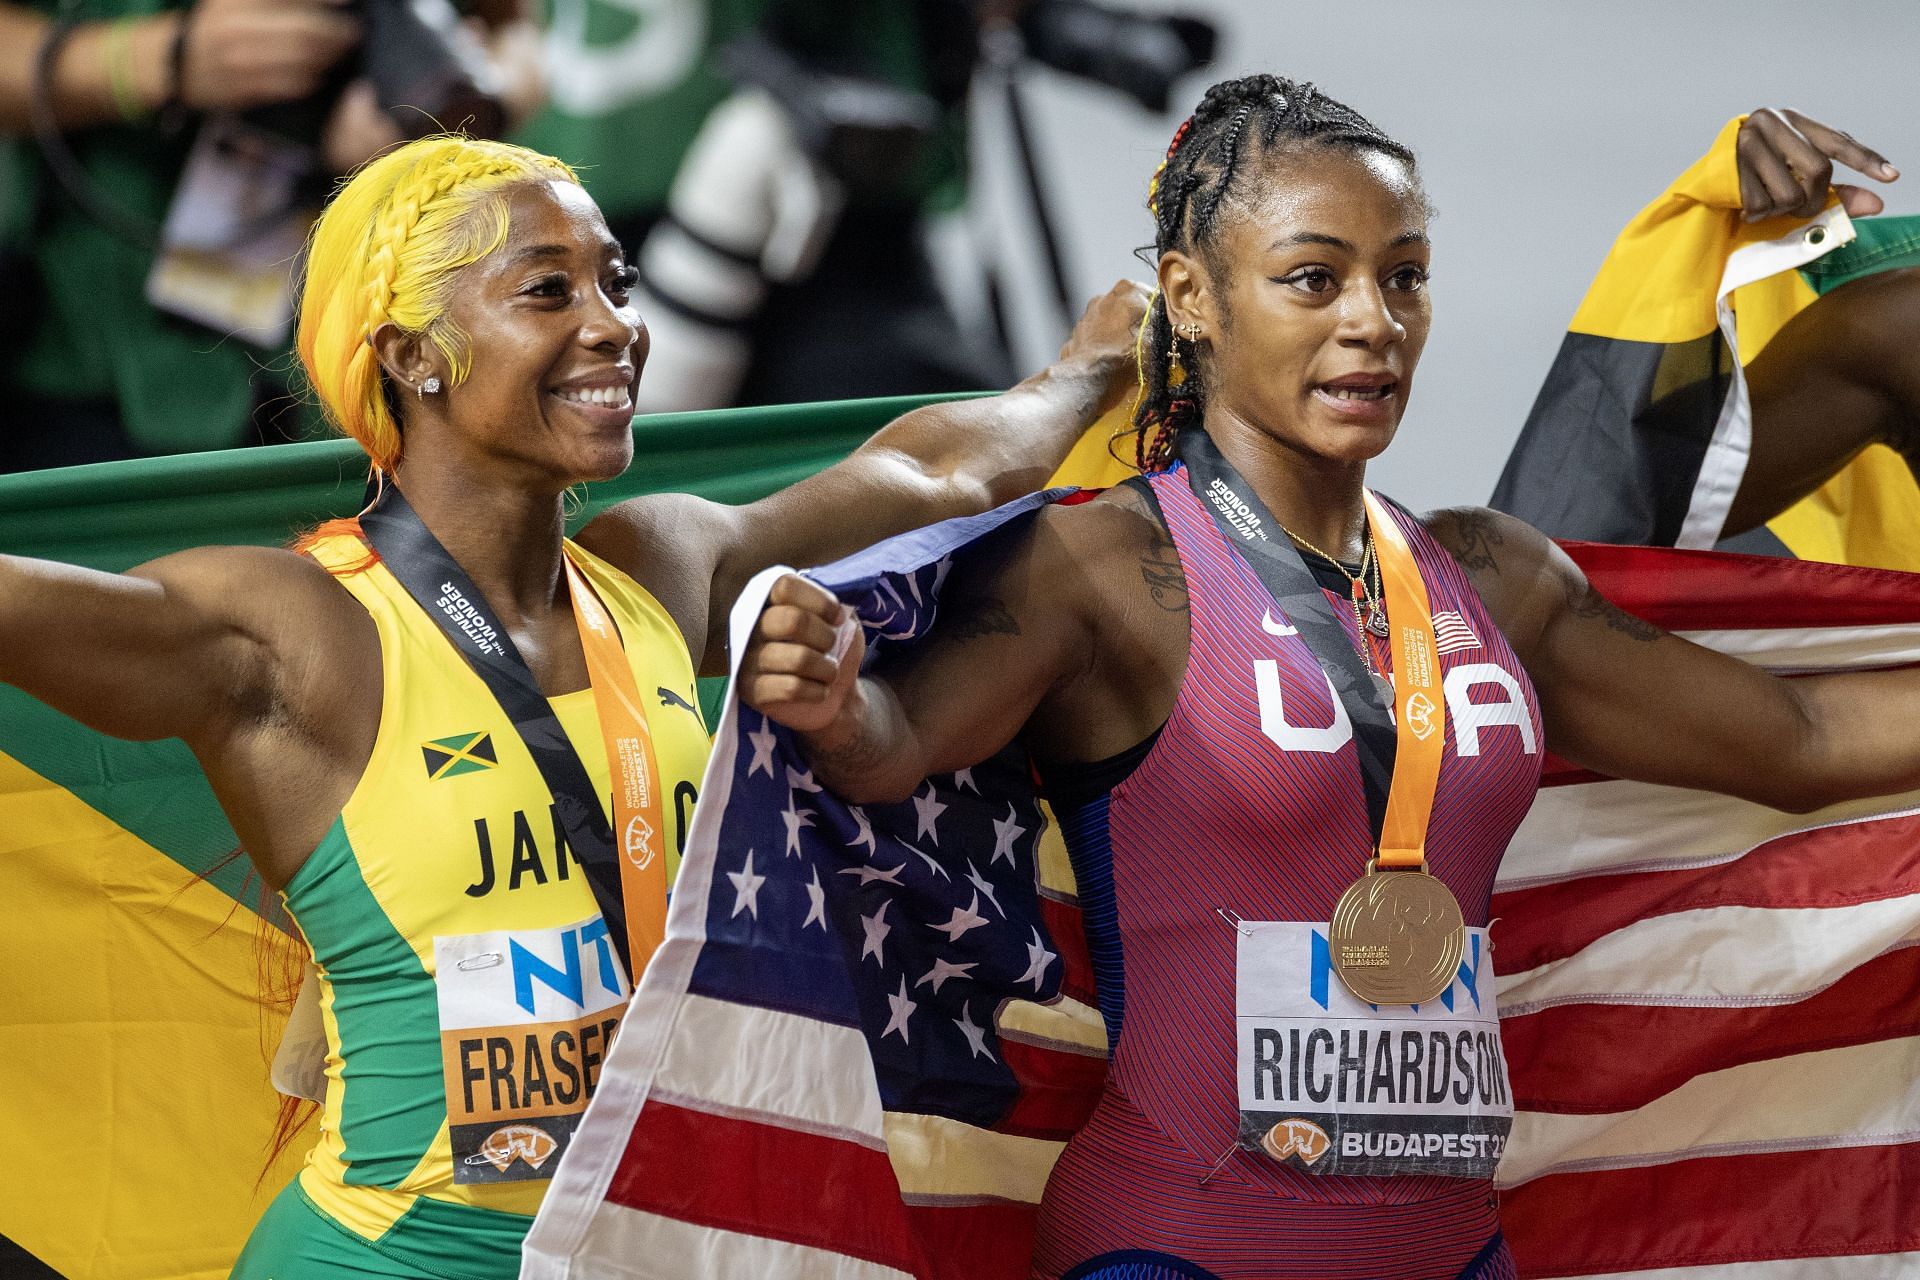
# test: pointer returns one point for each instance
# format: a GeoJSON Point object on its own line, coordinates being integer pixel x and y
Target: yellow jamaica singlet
{"type": "Point", "coordinates": [468, 984]}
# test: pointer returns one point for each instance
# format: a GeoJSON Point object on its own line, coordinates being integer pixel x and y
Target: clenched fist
{"type": "Point", "coordinates": [802, 663]}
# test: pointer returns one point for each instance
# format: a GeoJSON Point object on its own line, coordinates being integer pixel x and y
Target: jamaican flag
{"type": "Point", "coordinates": [1640, 433]}
{"type": "Point", "coordinates": [134, 1045]}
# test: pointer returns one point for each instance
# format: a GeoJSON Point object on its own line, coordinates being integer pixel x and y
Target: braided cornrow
{"type": "Point", "coordinates": [403, 215]}
{"type": "Point", "coordinates": [387, 250]}
{"type": "Point", "coordinates": [1187, 193]}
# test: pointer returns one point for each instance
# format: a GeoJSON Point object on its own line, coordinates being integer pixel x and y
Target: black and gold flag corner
{"type": "Point", "coordinates": [17, 1264]}
{"type": "Point", "coordinates": [1641, 430]}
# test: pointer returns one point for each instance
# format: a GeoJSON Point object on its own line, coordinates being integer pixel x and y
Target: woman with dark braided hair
{"type": "Point", "coordinates": [1288, 729]}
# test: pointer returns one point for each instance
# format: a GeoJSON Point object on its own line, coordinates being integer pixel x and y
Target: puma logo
{"type": "Point", "coordinates": [668, 698]}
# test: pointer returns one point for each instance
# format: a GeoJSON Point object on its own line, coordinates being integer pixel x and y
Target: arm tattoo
{"type": "Point", "coordinates": [1586, 603]}
{"type": "Point", "coordinates": [861, 756]}
{"type": "Point", "coordinates": [985, 616]}
{"type": "Point", "coordinates": [1160, 562]}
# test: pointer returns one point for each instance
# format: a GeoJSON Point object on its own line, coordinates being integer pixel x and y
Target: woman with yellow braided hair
{"type": "Point", "coordinates": [459, 744]}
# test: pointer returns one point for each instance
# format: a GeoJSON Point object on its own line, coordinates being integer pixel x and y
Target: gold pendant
{"type": "Point", "coordinates": [1397, 936]}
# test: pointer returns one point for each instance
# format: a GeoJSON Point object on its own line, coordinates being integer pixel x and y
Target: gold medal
{"type": "Point", "coordinates": [1397, 936]}
{"type": "Point", "coordinates": [1397, 933]}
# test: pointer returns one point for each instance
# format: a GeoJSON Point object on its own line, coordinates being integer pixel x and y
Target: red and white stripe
{"type": "Point", "coordinates": [1712, 1009]}
{"type": "Point", "coordinates": [1711, 1013]}
{"type": "Point", "coordinates": [775, 1157]}
{"type": "Point", "coordinates": [1451, 633]}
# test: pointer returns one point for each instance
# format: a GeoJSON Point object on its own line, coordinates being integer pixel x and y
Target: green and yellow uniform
{"type": "Point", "coordinates": [469, 988]}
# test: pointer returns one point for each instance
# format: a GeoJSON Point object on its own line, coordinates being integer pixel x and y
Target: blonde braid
{"type": "Point", "coordinates": [403, 214]}
{"type": "Point", "coordinates": [383, 261]}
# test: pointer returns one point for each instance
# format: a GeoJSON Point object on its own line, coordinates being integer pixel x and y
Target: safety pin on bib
{"type": "Point", "coordinates": [1233, 918]}
{"type": "Point", "coordinates": [1219, 1164]}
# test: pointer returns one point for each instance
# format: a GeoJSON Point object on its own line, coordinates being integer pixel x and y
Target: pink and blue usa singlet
{"type": "Point", "coordinates": [1249, 804]}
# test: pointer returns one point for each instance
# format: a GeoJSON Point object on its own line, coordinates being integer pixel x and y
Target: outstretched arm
{"type": "Point", "coordinates": [156, 652]}
{"type": "Point", "coordinates": [237, 54]}
{"type": "Point", "coordinates": [1627, 699]}
{"type": "Point", "coordinates": [942, 460]}
{"type": "Point", "coordinates": [1842, 375]}
{"type": "Point", "coordinates": [1835, 379]}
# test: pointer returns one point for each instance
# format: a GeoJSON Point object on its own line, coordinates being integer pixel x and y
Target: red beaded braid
{"type": "Point", "coordinates": [1153, 443]}
{"type": "Point", "coordinates": [1153, 188]}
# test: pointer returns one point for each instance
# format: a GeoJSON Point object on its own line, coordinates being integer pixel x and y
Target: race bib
{"type": "Point", "coordinates": [1333, 1085]}
{"type": "Point", "coordinates": [526, 1017]}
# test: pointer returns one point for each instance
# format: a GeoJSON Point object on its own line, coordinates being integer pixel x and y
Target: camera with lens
{"type": "Point", "coordinates": [867, 132]}
{"type": "Point", "coordinates": [1139, 54]}
{"type": "Point", "coordinates": [428, 72]}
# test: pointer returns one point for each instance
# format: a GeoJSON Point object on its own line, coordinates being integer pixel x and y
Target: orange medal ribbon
{"type": "Point", "coordinates": [638, 830]}
{"type": "Point", "coordinates": [1396, 935]}
{"type": "Point", "coordinates": [1419, 705]}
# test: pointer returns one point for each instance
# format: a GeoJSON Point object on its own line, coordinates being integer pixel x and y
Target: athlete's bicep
{"type": "Point", "coordinates": [160, 651]}
{"type": "Point", "coordinates": [1623, 697]}
{"type": "Point", "coordinates": [1012, 628]}
{"type": "Point", "coordinates": [1823, 390]}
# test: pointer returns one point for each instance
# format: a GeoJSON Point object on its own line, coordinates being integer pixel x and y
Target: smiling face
{"type": "Point", "coordinates": [555, 346]}
{"type": "Point", "coordinates": [1311, 298]}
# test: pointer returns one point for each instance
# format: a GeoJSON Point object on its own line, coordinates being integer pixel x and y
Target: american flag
{"type": "Point", "coordinates": [1711, 1009]}
{"type": "Point", "coordinates": [868, 1033]}
{"type": "Point", "coordinates": [1451, 633]}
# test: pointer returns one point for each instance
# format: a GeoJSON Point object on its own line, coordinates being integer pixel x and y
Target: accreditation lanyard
{"type": "Point", "coordinates": [1399, 758]}
{"type": "Point", "coordinates": [628, 876]}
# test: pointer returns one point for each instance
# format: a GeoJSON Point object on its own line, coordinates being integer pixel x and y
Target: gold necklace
{"type": "Point", "coordinates": [1374, 619]}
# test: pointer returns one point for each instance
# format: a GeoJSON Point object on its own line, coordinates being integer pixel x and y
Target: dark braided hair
{"type": "Point", "coordinates": [1188, 190]}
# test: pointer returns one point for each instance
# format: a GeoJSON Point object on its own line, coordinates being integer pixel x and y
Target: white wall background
{"type": "Point", "coordinates": [1541, 128]}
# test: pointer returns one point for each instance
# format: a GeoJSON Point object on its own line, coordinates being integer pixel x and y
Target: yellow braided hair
{"type": "Point", "coordinates": [387, 249]}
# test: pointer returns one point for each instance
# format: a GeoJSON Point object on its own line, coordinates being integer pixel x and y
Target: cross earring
{"type": "Point", "coordinates": [1177, 372]}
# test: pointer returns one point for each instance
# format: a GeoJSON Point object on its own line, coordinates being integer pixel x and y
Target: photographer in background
{"type": "Point", "coordinates": [159, 165]}
{"type": "Point", "coordinates": [791, 262]}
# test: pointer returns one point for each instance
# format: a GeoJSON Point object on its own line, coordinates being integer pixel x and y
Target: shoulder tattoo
{"type": "Point", "coordinates": [1473, 536]}
{"type": "Point", "coordinates": [980, 616]}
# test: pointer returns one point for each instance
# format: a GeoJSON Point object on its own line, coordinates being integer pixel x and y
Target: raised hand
{"type": "Point", "coordinates": [250, 53]}
{"type": "Point", "coordinates": [1105, 336]}
{"type": "Point", "coordinates": [1786, 165]}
